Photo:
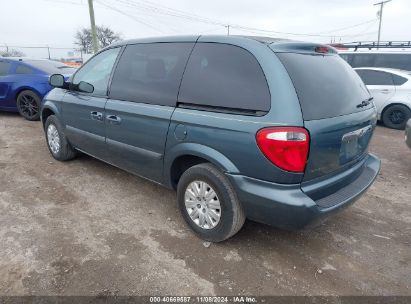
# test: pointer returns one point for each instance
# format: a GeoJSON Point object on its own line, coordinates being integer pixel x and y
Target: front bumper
{"type": "Point", "coordinates": [291, 207]}
{"type": "Point", "coordinates": [408, 133]}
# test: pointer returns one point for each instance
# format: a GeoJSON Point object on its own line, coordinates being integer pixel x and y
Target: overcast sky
{"type": "Point", "coordinates": [54, 22]}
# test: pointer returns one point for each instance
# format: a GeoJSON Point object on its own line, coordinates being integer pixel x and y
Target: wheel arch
{"type": "Point", "coordinates": [186, 155]}
{"type": "Point", "coordinates": [46, 110]}
{"type": "Point", "coordinates": [27, 88]}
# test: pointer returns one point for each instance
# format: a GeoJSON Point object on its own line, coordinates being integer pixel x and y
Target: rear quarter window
{"type": "Point", "coordinates": [224, 76]}
{"type": "Point", "coordinates": [22, 69]}
{"type": "Point", "coordinates": [372, 77]}
{"type": "Point", "coordinates": [326, 85]}
{"type": "Point", "coordinates": [398, 80]}
{"type": "Point", "coordinates": [4, 68]}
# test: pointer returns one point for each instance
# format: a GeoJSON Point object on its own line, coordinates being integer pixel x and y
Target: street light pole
{"type": "Point", "coordinates": [93, 25]}
{"type": "Point", "coordinates": [381, 4]}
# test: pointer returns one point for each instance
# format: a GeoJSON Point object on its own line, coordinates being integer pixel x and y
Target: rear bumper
{"type": "Point", "coordinates": [408, 133]}
{"type": "Point", "coordinates": [290, 207]}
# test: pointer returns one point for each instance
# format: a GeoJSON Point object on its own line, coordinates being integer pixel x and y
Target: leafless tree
{"type": "Point", "coordinates": [105, 37]}
{"type": "Point", "coordinates": [12, 53]}
{"type": "Point", "coordinates": [82, 38]}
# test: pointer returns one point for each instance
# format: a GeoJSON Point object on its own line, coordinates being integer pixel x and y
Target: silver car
{"type": "Point", "coordinates": [391, 90]}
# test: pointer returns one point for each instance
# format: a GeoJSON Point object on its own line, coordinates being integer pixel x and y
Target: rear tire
{"type": "Point", "coordinates": [28, 105]}
{"type": "Point", "coordinates": [396, 116]}
{"type": "Point", "coordinates": [56, 140]}
{"type": "Point", "coordinates": [219, 223]}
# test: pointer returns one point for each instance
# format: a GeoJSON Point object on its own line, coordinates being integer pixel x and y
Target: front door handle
{"type": "Point", "coordinates": [113, 119]}
{"type": "Point", "coordinates": [96, 115]}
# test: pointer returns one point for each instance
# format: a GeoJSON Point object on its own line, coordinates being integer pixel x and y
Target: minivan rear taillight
{"type": "Point", "coordinates": [285, 147]}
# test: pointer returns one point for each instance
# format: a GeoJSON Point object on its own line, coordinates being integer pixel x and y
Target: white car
{"type": "Point", "coordinates": [391, 90]}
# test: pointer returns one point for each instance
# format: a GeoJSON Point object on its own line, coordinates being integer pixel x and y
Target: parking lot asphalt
{"type": "Point", "coordinates": [86, 228]}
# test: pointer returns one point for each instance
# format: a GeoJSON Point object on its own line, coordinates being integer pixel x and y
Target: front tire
{"type": "Point", "coordinates": [28, 105]}
{"type": "Point", "coordinates": [209, 203]}
{"type": "Point", "coordinates": [396, 116]}
{"type": "Point", "coordinates": [57, 142]}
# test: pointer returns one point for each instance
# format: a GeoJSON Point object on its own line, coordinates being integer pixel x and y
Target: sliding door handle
{"type": "Point", "coordinates": [96, 115]}
{"type": "Point", "coordinates": [113, 119]}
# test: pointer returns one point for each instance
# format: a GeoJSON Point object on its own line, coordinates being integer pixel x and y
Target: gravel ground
{"type": "Point", "coordinates": [86, 228]}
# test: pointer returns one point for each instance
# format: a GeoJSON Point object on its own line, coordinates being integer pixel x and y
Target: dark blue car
{"type": "Point", "coordinates": [276, 131]}
{"type": "Point", "coordinates": [24, 82]}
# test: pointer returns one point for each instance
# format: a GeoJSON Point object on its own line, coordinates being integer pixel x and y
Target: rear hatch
{"type": "Point", "coordinates": [336, 108]}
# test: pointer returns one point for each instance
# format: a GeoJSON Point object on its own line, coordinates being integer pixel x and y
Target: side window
{"type": "Point", "coordinates": [371, 77]}
{"type": "Point", "coordinates": [398, 80]}
{"type": "Point", "coordinates": [4, 68]}
{"type": "Point", "coordinates": [150, 73]}
{"type": "Point", "coordinates": [350, 58]}
{"type": "Point", "coordinates": [97, 71]}
{"type": "Point", "coordinates": [363, 60]}
{"type": "Point", "coordinates": [23, 69]}
{"type": "Point", "coordinates": [347, 57]}
{"type": "Point", "coordinates": [394, 61]}
{"type": "Point", "coordinates": [226, 76]}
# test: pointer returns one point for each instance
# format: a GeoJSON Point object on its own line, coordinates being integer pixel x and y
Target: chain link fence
{"type": "Point", "coordinates": [63, 54]}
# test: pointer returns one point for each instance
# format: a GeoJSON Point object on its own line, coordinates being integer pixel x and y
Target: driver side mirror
{"type": "Point", "coordinates": [57, 81]}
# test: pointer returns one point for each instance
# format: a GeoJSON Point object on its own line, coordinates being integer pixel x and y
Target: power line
{"type": "Point", "coordinates": [128, 15]}
{"type": "Point", "coordinates": [159, 9]}
{"type": "Point", "coordinates": [164, 10]}
{"type": "Point", "coordinates": [134, 11]}
{"type": "Point", "coordinates": [349, 27]}
{"type": "Point", "coordinates": [169, 12]}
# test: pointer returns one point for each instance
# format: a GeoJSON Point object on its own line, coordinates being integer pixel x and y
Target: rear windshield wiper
{"type": "Point", "coordinates": [365, 102]}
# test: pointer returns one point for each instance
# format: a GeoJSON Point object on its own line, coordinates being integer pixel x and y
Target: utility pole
{"type": "Point", "coordinates": [381, 4]}
{"type": "Point", "coordinates": [228, 29]}
{"type": "Point", "coordinates": [93, 25]}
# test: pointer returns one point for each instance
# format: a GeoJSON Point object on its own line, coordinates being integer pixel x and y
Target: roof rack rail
{"type": "Point", "coordinates": [373, 44]}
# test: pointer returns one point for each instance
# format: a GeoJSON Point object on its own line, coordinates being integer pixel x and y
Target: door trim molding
{"type": "Point", "coordinates": [134, 150]}
{"type": "Point", "coordinates": [85, 133]}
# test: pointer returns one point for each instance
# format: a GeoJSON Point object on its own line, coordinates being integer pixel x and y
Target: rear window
{"type": "Point", "coordinates": [326, 85]}
{"type": "Point", "coordinates": [51, 67]}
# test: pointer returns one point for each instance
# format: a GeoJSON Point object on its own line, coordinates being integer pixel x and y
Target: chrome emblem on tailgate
{"type": "Point", "coordinates": [356, 134]}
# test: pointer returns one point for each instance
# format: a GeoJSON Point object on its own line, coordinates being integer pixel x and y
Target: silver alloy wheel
{"type": "Point", "coordinates": [53, 139]}
{"type": "Point", "coordinates": [202, 204]}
